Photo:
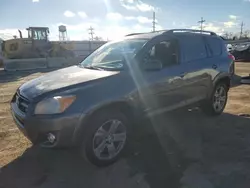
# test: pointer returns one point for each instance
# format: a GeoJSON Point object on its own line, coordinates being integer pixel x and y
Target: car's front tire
{"type": "Point", "coordinates": [106, 137]}
{"type": "Point", "coordinates": [216, 103]}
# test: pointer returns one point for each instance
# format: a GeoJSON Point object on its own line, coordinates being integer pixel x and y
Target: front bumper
{"type": "Point", "coordinates": [36, 128]}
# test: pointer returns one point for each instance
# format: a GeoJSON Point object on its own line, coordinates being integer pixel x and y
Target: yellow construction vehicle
{"type": "Point", "coordinates": [36, 45]}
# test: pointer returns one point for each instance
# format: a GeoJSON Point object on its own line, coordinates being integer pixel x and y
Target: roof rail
{"type": "Point", "coordinates": [223, 38]}
{"type": "Point", "coordinates": [189, 30]}
{"type": "Point", "coordinates": [131, 34]}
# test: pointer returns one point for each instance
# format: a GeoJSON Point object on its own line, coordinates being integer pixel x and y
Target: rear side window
{"type": "Point", "coordinates": [215, 46]}
{"type": "Point", "coordinates": [193, 47]}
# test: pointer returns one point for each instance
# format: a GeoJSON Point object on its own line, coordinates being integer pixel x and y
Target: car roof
{"type": "Point", "coordinates": [173, 32]}
{"type": "Point", "coordinates": [144, 35]}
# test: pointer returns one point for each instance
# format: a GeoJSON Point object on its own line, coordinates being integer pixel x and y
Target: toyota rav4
{"type": "Point", "coordinates": [93, 105]}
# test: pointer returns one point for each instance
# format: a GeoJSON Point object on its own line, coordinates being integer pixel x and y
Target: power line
{"type": "Point", "coordinates": [154, 22]}
{"type": "Point", "coordinates": [91, 33]}
{"type": "Point", "coordinates": [201, 23]}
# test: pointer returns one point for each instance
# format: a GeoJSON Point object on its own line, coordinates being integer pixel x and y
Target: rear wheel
{"type": "Point", "coordinates": [218, 100]}
{"type": "Point", "coordinates": [106, 138]}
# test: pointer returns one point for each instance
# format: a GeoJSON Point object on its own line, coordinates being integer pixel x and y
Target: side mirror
{"type": "Point", "coordinates": [152, 65]}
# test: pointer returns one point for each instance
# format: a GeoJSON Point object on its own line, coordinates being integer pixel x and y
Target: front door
{"type": "Point", "coordinates": [163, 89]}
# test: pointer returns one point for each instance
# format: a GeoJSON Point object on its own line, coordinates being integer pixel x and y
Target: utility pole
{"type": "Point", "coordinates": [154, 21]}
{"type": "Point", "coordinates": [91, 33]}
{"type": "Point", "coordinates": [241, 29]}
{"type": "Point", "coordinates": [201, 23]}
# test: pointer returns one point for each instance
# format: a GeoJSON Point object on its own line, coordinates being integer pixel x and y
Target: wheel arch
{"type": "Point", "coordinates": [223, 77]}
{"type": "Point", "coordinates": [207, 104]}
{"type": "Point", "coordinates": [123, 106]}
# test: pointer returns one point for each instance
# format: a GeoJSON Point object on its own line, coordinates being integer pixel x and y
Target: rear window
{"type": "Point", "coordinates": [194, 48]}
{"type": "Point", "coordinates": [215, 46]}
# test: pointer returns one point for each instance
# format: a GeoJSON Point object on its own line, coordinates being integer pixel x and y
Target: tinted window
{"type": "Point", "coordinates": [214, 46]}
{"type": "Point", "coordinates": [165, 51]}
{"type": "Point", "coordinates": [193, 47]}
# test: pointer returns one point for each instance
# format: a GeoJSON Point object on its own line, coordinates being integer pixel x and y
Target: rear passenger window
{"type": "Point", "coordinates": [194, 48]}
{"type": "Point", "coordinates": [214, 46]}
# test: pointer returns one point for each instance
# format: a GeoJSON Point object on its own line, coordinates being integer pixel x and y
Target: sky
{"type": "Point", "coordinates": [112, 19]}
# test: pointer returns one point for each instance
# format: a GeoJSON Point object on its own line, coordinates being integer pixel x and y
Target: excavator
{"type": "Point", "coordinates": [36, 45]}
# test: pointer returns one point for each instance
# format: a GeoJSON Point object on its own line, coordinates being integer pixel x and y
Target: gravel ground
{"type": "Point", "coordinates": [181, 149]}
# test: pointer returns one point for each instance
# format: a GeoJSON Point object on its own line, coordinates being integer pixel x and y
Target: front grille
{"type": "Point", "coordinates": [21, 102]}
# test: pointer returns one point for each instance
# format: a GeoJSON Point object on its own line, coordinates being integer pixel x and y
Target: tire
{"type": "Point", "coordinates": [101, 146]}
{"type": "Point", "coordinates": [209, 107]}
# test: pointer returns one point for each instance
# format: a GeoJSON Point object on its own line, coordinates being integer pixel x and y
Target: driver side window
{"type": "Point", "coordinates": [165, 51]}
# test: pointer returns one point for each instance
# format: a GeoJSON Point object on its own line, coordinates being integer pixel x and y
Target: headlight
{"type": "Point", "coordinates": [54, 105]}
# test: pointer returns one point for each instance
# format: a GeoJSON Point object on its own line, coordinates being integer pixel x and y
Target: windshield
{"type": "Point", "coordinates": [111, 55]}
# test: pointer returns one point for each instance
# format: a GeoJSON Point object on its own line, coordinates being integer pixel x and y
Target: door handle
{"type": "Point", "coordinates": [214, 66]}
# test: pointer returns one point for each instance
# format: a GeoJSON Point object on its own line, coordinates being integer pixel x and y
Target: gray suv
{"type": "Point", "coordinates": [93, 105]}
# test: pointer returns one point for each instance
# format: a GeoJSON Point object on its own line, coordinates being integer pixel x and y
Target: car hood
{"type": "Point", "coordinates": [60, 79]}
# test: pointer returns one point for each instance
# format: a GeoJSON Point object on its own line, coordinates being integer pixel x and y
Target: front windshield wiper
{"type": "Point", "coordinates": [92, 67]}
{"type": "Point", "coordinates": [106, 66]}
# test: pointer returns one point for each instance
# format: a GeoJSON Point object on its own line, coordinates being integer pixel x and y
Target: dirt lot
{"type": "Point", "coordinates": [169, 151]}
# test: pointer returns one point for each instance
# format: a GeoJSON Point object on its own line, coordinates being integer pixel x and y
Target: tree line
{"type": "Point", "coordinates": [235, 36]}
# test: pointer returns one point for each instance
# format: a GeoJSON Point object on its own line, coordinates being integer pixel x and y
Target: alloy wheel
{"type": "Point", "coordinates": [219, 99]}
{"type": "Point", "coordinates": [109, 139]}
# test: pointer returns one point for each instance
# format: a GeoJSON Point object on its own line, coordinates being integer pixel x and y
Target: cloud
{"type": "Point", "coordinates": [35, 1]}
{"type": "Point", "coordinates": [115, 32]}
{"type": "Point", "coordinates": [158, 27]}
{"type": "Point", "coordinates": [82, 14]}
{"type": "Point", "coordinates": [117, 16]}
{"type": "Point", "coordinates": [137, 5]}
{"type": "Point", "coordinates": [130, 18]}
{"type": "Point", "coordinates": [6, 34]}
{"type": "Point", "coordinates": [140, 19]}
{"type": "Point", "coordinates": [69, 14]}
{"type": "Point", "coordinates": [211, 27]}
{"type": "Point", "coordinates": [232, 17]}
{"type": "Point", "coordinates": [114, 16]}
{"type": "Point", "coordinates": [75, 31]}
{"type": "Point", "coordinates": [229, 24]}
{"type": "Point", "coordinates": [112, 31]}
{"type": "Point", "coordinates": [105, 29]}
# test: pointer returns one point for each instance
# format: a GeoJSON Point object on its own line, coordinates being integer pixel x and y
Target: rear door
{"type": "Point", "coordinates": [218, 55]}
{"type": "Point", "coordinates": [198, 67]}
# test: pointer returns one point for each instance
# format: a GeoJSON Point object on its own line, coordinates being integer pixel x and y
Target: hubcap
{"type": "Point", "coordinates": [219, 100]}
{"type": "Point", "coordinates": [109, 139]}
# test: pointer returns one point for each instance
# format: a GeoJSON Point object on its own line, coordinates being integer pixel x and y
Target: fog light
{"type": "Point", "coordinates": [51, 138]}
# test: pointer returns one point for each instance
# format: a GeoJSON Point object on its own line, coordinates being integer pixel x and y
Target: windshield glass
{"type": "Point", "coordinates": [111, 55]}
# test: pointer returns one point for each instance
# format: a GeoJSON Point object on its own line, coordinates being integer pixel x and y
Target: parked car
{"type": "Point", "coordinates": [93, 105]}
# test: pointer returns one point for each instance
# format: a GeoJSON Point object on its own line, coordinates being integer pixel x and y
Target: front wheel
{"type": "Point", "coordinates": [106, 138]}
{"type": "Point", "coordinates": [217, 101]}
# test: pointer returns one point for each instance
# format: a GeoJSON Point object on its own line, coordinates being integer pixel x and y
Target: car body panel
{"type": "Point", "coordinates": [163, 86]}
{"type": "Point", "coordinates": [62, 78]}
